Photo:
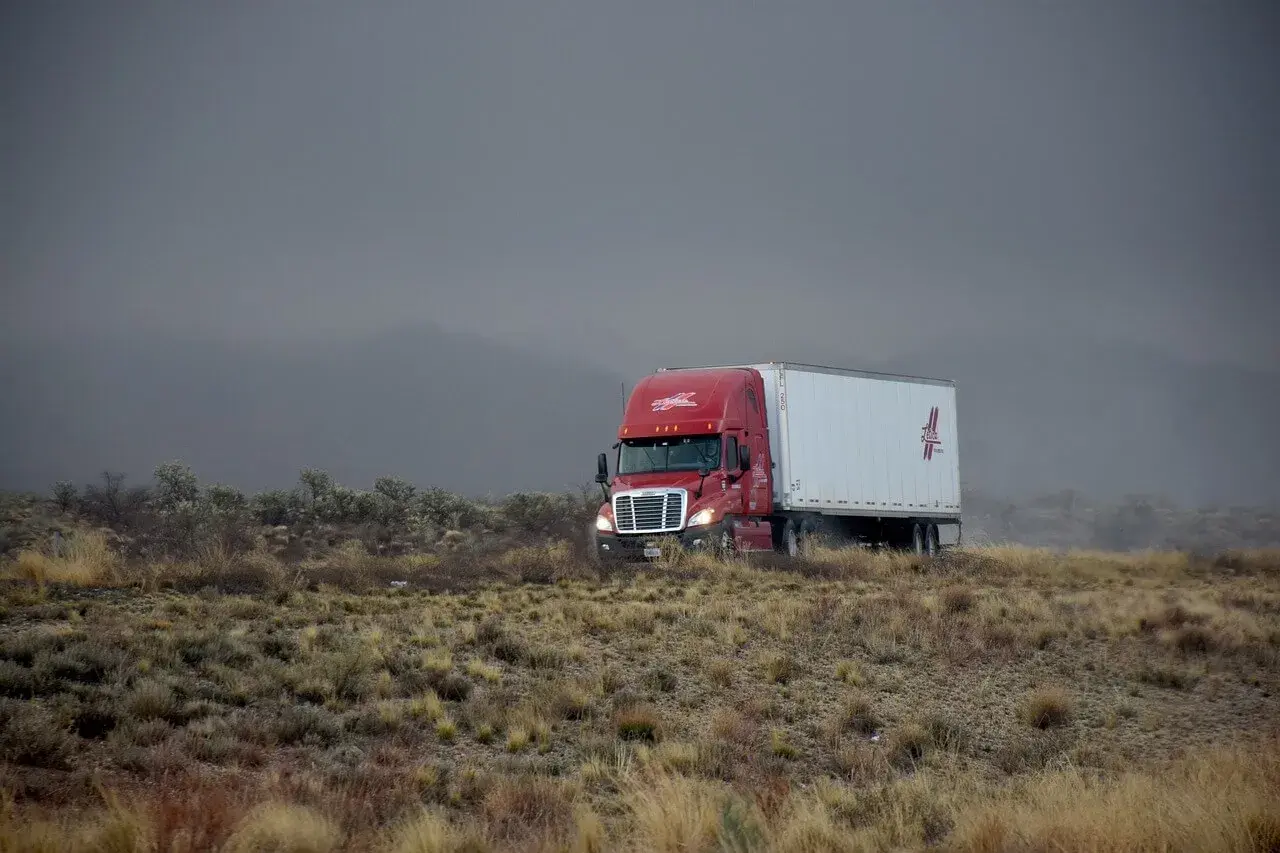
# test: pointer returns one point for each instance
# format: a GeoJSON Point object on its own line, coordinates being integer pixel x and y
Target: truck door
{"type": "Point", "coordinates": [735, 484]}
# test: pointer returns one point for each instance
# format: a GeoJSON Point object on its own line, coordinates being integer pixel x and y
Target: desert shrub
{"type": "Point", "coordinates": [517, 806]}
{"type": "Point", "coordinates": [541, 512]}
{"type": "Point", "coordinates": [957, 598]}
{"type": "Point", "coordinates": [539, 564]}
{"type": "Point", "coordinates": [83, 662]}
{"type": "Point", "coordinates": [855, 716]}
{"type": "Point", "coordinates": [443, 509]}
{"type": "Point", "coordinates": [395, 489]}
{"type": "Point", "coordinates": [397, 497]}
{"type": "Point", "coordinates": [780, 668]}
{"type": "Point", "coordinates": [186, 520]}
{"type": "Point", "coordinates": [316, 484]}
{"type": "Point", "coordinates": [65, 495]}
{"type": "Point", "coordinates": [226, 517]}
{"type": "Point", "coordinates": [343, 505]}
{"type": "Point", "coordinates": [16, 680]}
{"type": "Point", "coordinates": [278, 507]}
{"type": "Point", "coordinates": [638, 722]}
{"type": "Point", "coordinates": [33, 736]}
{"type": "Point", "coordinates": [151, 700]}
{"type": "Point", "coordinates": [113, 504]}
{"type": "Point", "coordinates": [1046, 708]}
{"type": "Point", "coordinates": [908, 745]}
{"type": "Point", "coordinates": [175, 485]}
{"type": "Point", "coordinates": [454, 687]}
{"type": "Point", "coordinates": [307, 724]}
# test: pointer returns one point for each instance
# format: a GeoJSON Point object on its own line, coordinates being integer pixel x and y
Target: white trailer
{"type": "Point", "coordinates": [853, 447]}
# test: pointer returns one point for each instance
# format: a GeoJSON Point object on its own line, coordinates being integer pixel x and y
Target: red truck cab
{"type": "Point", "coordinates": [692, 463]}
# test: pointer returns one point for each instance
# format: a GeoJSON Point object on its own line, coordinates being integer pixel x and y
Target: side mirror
{"type": "Point", "coordinates": [602, 469]}
{"type": "Point", "coordinates": [744, 457]}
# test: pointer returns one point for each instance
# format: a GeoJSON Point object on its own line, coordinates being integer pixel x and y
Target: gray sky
{"type": "Point", "coordinates": [640, 184]}
{"type": "Point", "coordinates": [572, 173]}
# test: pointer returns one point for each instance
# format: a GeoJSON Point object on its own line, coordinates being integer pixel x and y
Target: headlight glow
{"type": "Point", "coordinates": [603, 522]}
{"type": "Point", "coordinates": [702, 516]}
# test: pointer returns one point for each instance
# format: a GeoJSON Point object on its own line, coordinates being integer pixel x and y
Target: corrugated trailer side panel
{"type": "Point", "coordinates": [850, 443]}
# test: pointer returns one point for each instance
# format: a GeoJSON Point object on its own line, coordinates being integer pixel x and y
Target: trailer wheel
{"type": "Point", "coordinates": [931, 540]}
{"type": "Point", "coordinates": [917, 539]}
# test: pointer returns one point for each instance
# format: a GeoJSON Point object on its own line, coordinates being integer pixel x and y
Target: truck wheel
{"type": "Point", "coordinates": [917, 540]}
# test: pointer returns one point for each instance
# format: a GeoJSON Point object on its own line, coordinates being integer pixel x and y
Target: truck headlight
{"type": "Point", "coordinates": [603, 522]}
{"type": "Point", "coordinates": [702, 516]}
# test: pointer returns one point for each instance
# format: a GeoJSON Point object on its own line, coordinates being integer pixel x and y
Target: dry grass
{"type": "Point", "coordinates": [284, 828]}
{"type": "Point", "coordinates": [1222, 800]}
{"type": "Point", "coordinates": [1047, 707]}
{"type": "Point", "coordinates": [989, 699]}
{"type": "Point", "coordinates": [84, 559]}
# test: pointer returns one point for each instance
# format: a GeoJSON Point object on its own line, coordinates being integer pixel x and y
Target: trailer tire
{"type": "Point", "coordinates": [917, 539]}
{"type": "Point", "coordinates": [809, 532]}
{"type": "Point", "coordinates": [931, 540]}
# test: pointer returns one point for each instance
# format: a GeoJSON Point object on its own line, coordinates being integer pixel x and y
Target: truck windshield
{"type": "Point", "coordinates": [656, 455]}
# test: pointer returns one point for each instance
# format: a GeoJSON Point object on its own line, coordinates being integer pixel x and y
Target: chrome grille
{"type": "Point", "coordinates": [649, 512]}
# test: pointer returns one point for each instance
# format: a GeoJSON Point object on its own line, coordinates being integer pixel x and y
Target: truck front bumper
{"type": "Point", "coordinates": [640, 546]}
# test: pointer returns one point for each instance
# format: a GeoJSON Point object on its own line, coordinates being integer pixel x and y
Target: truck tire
{"type": "Point", "coordinates": [917, 539]}
{"type": "Point", "coordinates": [593, 548]}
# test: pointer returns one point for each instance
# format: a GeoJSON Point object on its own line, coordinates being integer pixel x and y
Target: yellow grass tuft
{"type": "Point", "coordinates": [427, 707]}
{"type": "Point", "coordinates": [86, 559]}
{"type": "Point", "coordinates": [1047, 707]}
{"type": "Point", "coordinates": [428, 832]}
{"type": "Point", "coordinates": [1225, 800]}
{"type": "Point", "coordinates": [674, 814]}
{"type": "Point", "coordinates": [477, 668]}
{"type": "Point", "coordinates": [284, 828]}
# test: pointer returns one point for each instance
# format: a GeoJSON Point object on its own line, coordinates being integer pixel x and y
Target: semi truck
{"type": "Point", "coordinates": [762, 457]}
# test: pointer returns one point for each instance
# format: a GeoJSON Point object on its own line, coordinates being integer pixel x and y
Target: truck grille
{"type": "Point", "coordinates": [654, 512]}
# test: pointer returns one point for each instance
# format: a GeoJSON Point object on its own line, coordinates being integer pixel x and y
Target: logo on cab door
{"type": "Point", "coordinates": [683, 400]}
{"type": "Point", "coordinates": [929, 435]}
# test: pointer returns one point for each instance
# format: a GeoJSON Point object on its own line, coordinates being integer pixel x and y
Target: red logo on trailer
{"type": "Point", "coordinates": [681, 401]}
{"type": "Point", "coordinates": [929, 436]}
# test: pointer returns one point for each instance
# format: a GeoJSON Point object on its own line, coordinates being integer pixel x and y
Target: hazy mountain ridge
{"type": "Point", "coordinates": [1042, 414]}
{"type": "Point", "coordinates": [437, 407]}
{"type": "Point", "coordinates": [1109, 420]}
{"type": "Point", "coordinates": [476, 416]}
